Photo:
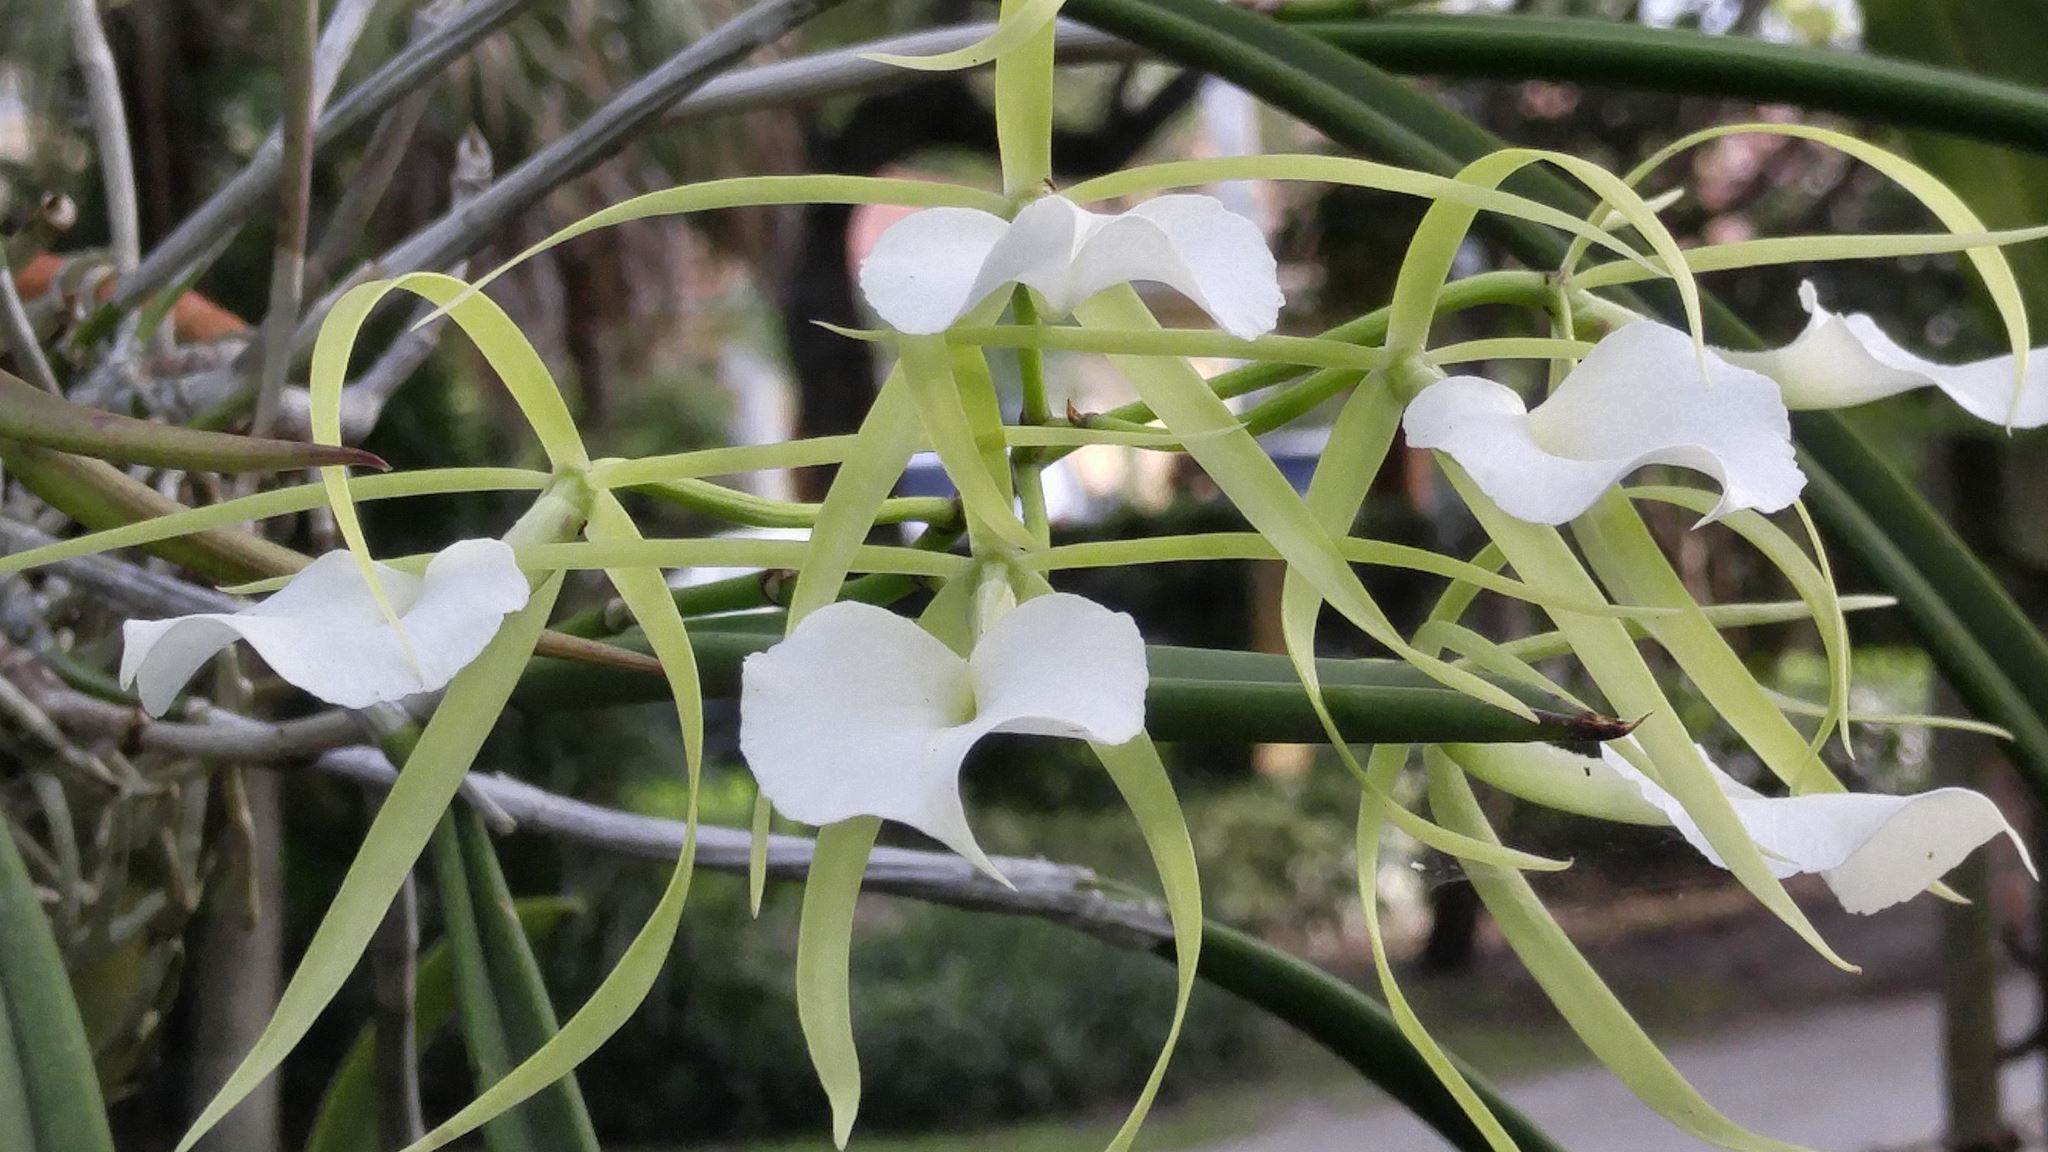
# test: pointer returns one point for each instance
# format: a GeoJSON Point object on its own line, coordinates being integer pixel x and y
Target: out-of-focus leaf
{"type": "Point", "coordinates": [506, 1015]}
{"type": "Point", "coordinates": [32, 416]}
{"type": "Point", "coordinates": [53, 1074]}
{"type": "Point", "coordinates": [346, 1119]}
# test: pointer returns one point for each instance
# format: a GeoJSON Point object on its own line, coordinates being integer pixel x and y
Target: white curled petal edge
{"type": "Point", "coordinates": [1844, 359]}
{"type": "Point", "coordinates": [934, 266]}
{"type": "Point", "coordinates": [1873, 851]}
{"type": "Point", "coordinates": [860, 712]}
{"type": "Point", "coordinates": [1636, 399]}
{"type": "Point", "coordinates": [324, 633]}
{"type": "Point", "coordinates": [922, 273]}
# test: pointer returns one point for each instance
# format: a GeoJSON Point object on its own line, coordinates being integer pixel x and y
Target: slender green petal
{"type": "Point", "coordinates": [1241, 468]}
{"type": "Point", "coordinates": [276, 502]}
{"type": "Point", "coordinates": [726, 552]}
{"type": "Point", "coordinates": [747, 191]}
{"type": "Point", "coordinates": [639, 966]}
{"type": "Point", "coordinates": [1620, 549]}
{"type": "Point", "coordinates": [1592, 1011]}
{"type": "Point", "coordinates": [1340, 170]}
{"type": "Point", "coordinates": [1815, 588]}
{"type": "Point", "coordinates": [1542, 558]}
{"type": "Point", "coordinates": [431, 776]}
{"type": "Point", "coordinates": [824, 941]}
{"type": "Point", "coordinates": [615, 473]}
{"type": "Point", "coordinates": [928, 372]}
{"type": "Point", "coordinates": [1384, 765]}
{"type": "Point", "coordinates": [881, 450]}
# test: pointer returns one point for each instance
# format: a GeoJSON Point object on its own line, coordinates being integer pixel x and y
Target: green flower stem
{"type": "Point", "coordinates": [1035, 408]}
{"type": "Point", "coordinates": [737, 507]}
{"type": "Point", "coordinates": [1516, 288]}
{"type": "Point", "coordinates": [1195, 694]}
{"type": "Point", "coordinates": [1629, 55]}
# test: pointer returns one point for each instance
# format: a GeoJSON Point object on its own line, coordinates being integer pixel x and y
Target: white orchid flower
{"type": "Point", "coordinates": [932, 267]}
{"type": "Point", "coordinates": [1842, 360]}
{"type": "Point", "coordinates": [1873, 850]}
{"type": "Point", "coordinates": [860, 712]}
{"type": "Point", "coordinates": [325, 633]}
{"type": "Point", "coordinates": [1637, 398]}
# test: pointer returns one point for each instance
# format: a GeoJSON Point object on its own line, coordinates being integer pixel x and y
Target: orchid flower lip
{"type": "Point", "coordinates": [860, 712]}
{"type": "Point", "coordinates": [1636, 399]}
{"type": "Point", "coordinates": [934, 266]}
{"type": "Point", "coordinates": [324, 632]}
{"type": "Point", "coordinates": [1841, 360]}
{"type": "Point", "coordinates": [1872, 850]}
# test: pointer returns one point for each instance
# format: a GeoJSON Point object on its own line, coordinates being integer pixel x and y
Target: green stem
{"type": "Point", "coordinates": [1630, 55]}
{"type": "Point", "coordinates": [1035, 409]}
{"type": "Point", "coordinates": [1517, 288]}
{"type": "Point", "coordinates": [736, 507]}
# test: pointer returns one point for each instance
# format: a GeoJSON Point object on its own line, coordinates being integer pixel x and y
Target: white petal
{"type": "Point", "coordinates": [921, 274]}
{"type": "Point", "coordinates": [931, 267]}
{"type": "Point", "coordinates": [860, 712]}
{"type": "Point", "coordinates": [324, 633]}
{"type": "Point", "coordinates": [1841, 360]}
{"type": "Point", "coordinates": [1061, 665]}
{"type": "Point", "coordinates": [1040, 251]}
{"type": "Point", "coordinates": [1873, 851]}
{"type": "Point", "coordinates": [1196, 246]}
{"type": "Point", "coordinates": [1636, 399]}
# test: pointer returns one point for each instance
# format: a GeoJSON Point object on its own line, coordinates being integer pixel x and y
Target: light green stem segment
{"type": "Point", "coordinates": [824, 941]}
{"type": "Point", "coordinates": [1023, 99]}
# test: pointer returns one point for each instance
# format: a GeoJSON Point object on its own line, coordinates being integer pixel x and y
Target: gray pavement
{"type": "Point", "coordinates": [1848, 1078]}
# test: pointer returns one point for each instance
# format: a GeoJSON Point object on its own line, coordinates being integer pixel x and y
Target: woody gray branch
{"type": "Point", "coordinates": [1063, 893]}
{"type": "Point", "coordinates": [1058, 892]}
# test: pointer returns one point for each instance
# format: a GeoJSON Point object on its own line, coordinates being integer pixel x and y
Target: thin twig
{"type": "Point", "coordinates": [421, 63]}
{"type": "Point", "coordinates": [393, 983]}
{"type": "Point", "coordinates": [110, 131]}
{"type": "Point", "coordinates": [295, 193]}
{"type": "Point", "coordinates": [363, 400]}
{"type": "Point", "coordinates": [606, 131]}
{"type": "Point", "coordinates": [19, 336]}
{"type": "Point", "coordinates": [372, 177]}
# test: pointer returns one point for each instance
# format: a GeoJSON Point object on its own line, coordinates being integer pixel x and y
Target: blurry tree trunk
{"type": "Point", "coordinates": [1969, 976]}
{"type": "Point", "coordinates": [234, 973]}
{"type": "Point", "coordinates": [1967, 480]}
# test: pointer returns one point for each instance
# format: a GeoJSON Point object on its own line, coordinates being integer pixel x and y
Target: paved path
{"type": "Point", "coordinates": [1849, 1078]}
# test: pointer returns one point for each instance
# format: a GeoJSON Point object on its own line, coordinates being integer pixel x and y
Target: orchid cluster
{"type": "Point", "coordinates": [862, 715]}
